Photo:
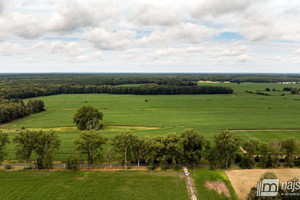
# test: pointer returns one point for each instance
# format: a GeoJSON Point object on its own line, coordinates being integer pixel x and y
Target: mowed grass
{"type": "Point", "coordinates": [202, 175]}
{"type": "Point", "coordinates": [29, 185]}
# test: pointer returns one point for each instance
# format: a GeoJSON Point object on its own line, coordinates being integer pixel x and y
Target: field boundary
{"type": "Point", "coordinates": [264, 129]}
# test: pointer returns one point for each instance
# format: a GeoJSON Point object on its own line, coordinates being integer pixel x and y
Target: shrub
{"type": "Point", "coordinates": [151, 166]}
{"type": "Point", "coordinates": [164, 165]}
{"type": "Point", "coordinates": [238, 158]}
{"type": "Point", "coordinates": [256, 159]}
{"type": "Point", "coordinates": [246, 163]}
{"type": "Point", "coordinates": [72, 163]}
{"type": "Point", "coordinates": [8, 167]}
{"type": "Point", "coordinates": [176, 166]}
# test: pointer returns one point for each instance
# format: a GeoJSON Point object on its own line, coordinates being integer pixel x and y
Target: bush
{"type": "Point", "coordinates": [151, 166]}
{"type": "Point", "coordinates": [72, 163]}
{"type": "Point", "coordinates": [164, 165]}
{"type": "Point", "coordinates": [28, 168]}
{"type": "Point", "coordinates": [256, 159]}
{"type": "Point", "coordinates": [246, 163]}
{"type": "Point", "coordinates": [297, 162]}
{"type": "Point", "coordinates": [238, 158]}
{"type": "Point", "coordinates": [8, 167]}
{"type": "Point", "coordinates": [176, 167]}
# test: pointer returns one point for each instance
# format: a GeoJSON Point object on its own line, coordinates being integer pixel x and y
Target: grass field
{"type": "Point", "coordinates": [163, 114]}
{"type": "Point", "coordinates": [29, 185]}
{"type": "Point", "coordinates": [203, 176]}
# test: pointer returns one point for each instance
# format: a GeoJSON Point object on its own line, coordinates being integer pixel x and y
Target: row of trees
{"type": "Point", "coordinates": [128, 148]}
{"type": "Point", "coordinates": [268, 155]}
{"type": "Point", "coordinates": [34, 90]}
{"type": "Point", "coordinates": [14, 109]}
{"type": "Point", "coordinates": [172, 149]}
{"type": "Point", "coordinates": [42, 144]}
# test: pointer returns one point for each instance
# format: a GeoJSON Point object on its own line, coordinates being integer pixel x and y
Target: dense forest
{"type": "Point", "coordinates": [33, 85]}
{"type": "Point", "coordinates": [29, 91]}
{"type": "Point", "coordinates": [15, 109]}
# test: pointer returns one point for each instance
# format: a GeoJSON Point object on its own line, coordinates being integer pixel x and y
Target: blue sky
{"type": "Point", "coordinates": [150, 36]}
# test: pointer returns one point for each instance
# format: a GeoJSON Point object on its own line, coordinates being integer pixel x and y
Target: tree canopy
{"type": "Point", "coordinates": [87, 118]}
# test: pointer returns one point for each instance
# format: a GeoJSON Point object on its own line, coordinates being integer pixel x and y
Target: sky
{"type": "Point", "coordinates": [216, 36]}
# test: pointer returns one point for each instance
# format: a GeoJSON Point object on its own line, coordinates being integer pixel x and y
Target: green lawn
{"type": "Point", "coordinates": [202, 175]}
{"type": "Point", "coordinates": [30, 185]}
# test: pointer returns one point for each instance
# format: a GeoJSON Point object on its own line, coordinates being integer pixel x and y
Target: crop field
{"type": "Point", "coordinates": [92, 185]}
{"type": "Point", "coordinates": [243, 180]}
{"type": "Point", "coordinates": [212, 184]}
{"type": "Point", "coordinates": [249, 115]}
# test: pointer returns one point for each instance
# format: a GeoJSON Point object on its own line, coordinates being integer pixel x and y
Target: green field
{"type": "Point", "coordinates": [30, 185]}
{"type": "Point", "coordinates": [208, 114]}
{"type": "Point", "coordinates": [202, 175]}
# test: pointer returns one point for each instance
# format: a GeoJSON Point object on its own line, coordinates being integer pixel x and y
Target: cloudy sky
{"type": "Point", "coordinates": [150, 36]}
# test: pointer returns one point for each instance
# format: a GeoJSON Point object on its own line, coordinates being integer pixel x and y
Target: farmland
{"type": "Point", "coordinates": [205, 177]}
{"type": "Point", "coordinates": [243, 180]}
{"type": "Point", "coordinates": [92, 185]}
{"type": "Point", "coordinates": [151, 115]}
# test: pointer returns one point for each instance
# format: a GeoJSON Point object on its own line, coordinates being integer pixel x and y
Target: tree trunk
{"type": "Point", "coordinates": [125, 159]}
{"type": "Point", "coordinates": [110, 165]}
{"type": "Point", "coordinates": [138, 163]}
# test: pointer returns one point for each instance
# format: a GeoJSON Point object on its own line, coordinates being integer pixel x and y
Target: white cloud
{"type": "Point", "coordinates": [109, 40]}
{"type": "Point", "coordinates": [147, 14]}
{"type": "Point", "coordinates": [10, 49]}
{"type": "Point", "coordinates": [218, 7]}
{"type": "Point", "coordinates": [26, 26]}
{"type": "Point", "coordinates": [74, 15]}
{"type": "Point", "coordinates": [183, 32]}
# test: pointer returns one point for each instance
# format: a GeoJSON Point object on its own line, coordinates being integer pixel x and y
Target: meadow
{"type": "Point", "coordinates": [92, 185]}
{"type": "Point", "coordinates": [217, 181]}
{"type": "Point", "coordinates": [249, 115]}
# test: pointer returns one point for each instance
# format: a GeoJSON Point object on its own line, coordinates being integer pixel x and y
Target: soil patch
{"type": "Point", "coordinates": [218, 186]}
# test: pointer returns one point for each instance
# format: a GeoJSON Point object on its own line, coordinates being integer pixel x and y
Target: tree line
{"type": "Point", "coordinates": [29, 91]}
{"type": "Point", "coordinates": [188, 147]}
{"type": "Point", "coordinates": [142, 78]}
{"type": "Point", "coordinates": [15, 109]}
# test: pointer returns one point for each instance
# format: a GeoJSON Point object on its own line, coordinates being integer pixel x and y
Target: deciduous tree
{"type": "Point", "coordinates": [90, 143]}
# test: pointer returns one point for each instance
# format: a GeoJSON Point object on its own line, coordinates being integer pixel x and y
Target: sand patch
{"type": "Point", "coordinates": [134, 127]}
{"type": "Point", "coordinates": [218, 186]}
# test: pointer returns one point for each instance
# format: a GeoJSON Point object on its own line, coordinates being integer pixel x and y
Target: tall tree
{"type": "Point", "coordinates": [173, 148]}
{"type": "Point", "coordinates": [138, 150]}
{"type": "Point", "coordinates": [192, 144]}
{"type": "Point", "coordinates": [211, 154]}
{"type": "Point", "coordinates": [123, 144]}
{"type": "Point", "coordinates": [25, 144]}
{"type": "Point", "coordinates": [226, 145]}
{"type": "Point", "coordinates": [153, 150]}
{"type": "Point", "coordinates": [90, 143]}
{"type": "Point", "coordinates": [264, 151]}
{"type": "Point", "coordinates": [251, 147]}
{"type": "Point", "coordinates": [290, 145]}
{"type": "Point", "coordinates": [275, 147]}
{"type": "Point", "coordinates": [87, 118]}
{"type": "Point", "coordinates": [3, 142]}
{"type": "Point", "coordinates": [47, 144]}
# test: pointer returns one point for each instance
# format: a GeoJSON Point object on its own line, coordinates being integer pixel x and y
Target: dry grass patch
{"type": "Point", "coordinates": [243, 180]}
{"type": "Point", "coordinates": [218, 186]}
